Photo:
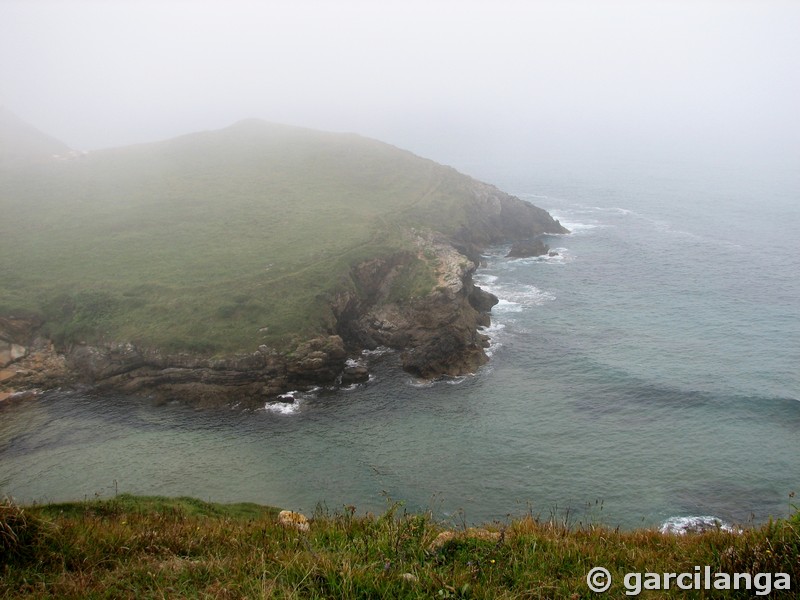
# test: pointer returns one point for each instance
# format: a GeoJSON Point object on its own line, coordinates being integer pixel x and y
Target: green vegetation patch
{"type": "Point", "coordinates": [131, 547]}
{"type": "Point", "coordinates": [127, 504]}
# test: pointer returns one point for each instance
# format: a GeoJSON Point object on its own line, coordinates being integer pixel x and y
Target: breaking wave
{"type": "Point", "coordinates": [684, 525]}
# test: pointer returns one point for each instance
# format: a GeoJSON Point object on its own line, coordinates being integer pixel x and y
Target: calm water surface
{"type": "Point", "coordinates": [648, 371]}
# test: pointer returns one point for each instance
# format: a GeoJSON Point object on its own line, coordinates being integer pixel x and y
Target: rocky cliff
{"type": "Point", "coordinates": [244, 262]}
{"type": "Point", "coordinates": [437, 332]}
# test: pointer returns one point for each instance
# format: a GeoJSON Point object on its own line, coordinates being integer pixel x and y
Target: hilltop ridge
{"type": "Point", "coordinates": [22, 144]}
{"type": "Point", "coordinates": [253, 258]}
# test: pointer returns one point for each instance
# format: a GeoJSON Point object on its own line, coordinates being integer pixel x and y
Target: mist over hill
{"type": "Point", "coordinates": [220, 242]}
{"type": "Point", "coordinates": [21, 143]}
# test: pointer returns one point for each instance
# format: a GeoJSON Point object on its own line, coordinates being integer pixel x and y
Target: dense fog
{"type": "Point", "coordinates": [476, 84]}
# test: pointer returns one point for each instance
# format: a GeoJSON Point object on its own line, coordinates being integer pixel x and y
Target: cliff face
{"type": "Point", "coordinates": [437, 333]}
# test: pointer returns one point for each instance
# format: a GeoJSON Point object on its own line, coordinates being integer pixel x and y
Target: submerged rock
{"type": "Point", "coordinates": [528, 249]}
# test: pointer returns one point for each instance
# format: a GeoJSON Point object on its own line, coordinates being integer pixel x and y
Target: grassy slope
{"type": "Point", "coordinates": [130, 547]}
{"type": "Point", "coordinates": [200, 242]}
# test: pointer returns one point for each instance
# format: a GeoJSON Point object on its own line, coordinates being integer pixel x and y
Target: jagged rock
{"type": "Point", "coordinates": [495, 217]}
{"type": "Point", "coordinates": [448, 352]}
{"type": "Point", "coordinates": [482, 300]}
{"type": "Point", "coordinates": [438, 333]}
{"type": "Point", "coordinates": [528, 249]}
{"type": "Point", "coordinates": [355, 373]}
{"type": "Point", "coordinates": [320, 360]}
{"type": "Point", "coordinates": [16, 336]}
{"type": "Point", "coordinates": [10, 352]}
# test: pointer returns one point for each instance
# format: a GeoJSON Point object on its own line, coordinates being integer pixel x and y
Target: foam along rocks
{"type": "Point", "coordinates": [684, 525]}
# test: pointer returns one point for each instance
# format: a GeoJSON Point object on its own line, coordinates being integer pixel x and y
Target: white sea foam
{"type": "Point", "coordinates": [287, 404]}
{"type": "Point", "coordinates": [524, 295]}
{"type": "Point", "coordinates": [283, 407]}
{"type": "Point", "coordinates": [578, 227]}
{"type": "Point", "coordinates": [531, 195]}
{"type": "Point", "coordinates": [561, 255]}
{"type": "Point", "coordinates": [444, 380]}
{"type": "Point", "coordinates": [613, 209]}
{"type": "Point", "coordinates": [504, 305]}
{"type": "Point", "coordinates": [494, 331]}
{"type": "Point", "coordinates": [684, 525]}
{"type": "Point", "coordinates": [419, 383]}
{"type": "Point", "coordinates": [379, 351]}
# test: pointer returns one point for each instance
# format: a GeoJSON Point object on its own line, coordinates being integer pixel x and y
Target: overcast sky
{"type": "Point", "coordinates": [450, 80]}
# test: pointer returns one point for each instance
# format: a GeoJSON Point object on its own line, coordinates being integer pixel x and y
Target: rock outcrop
{"type": "Point", "coordinates": [438, 332]}
{"type": "Point", "coordinates": [28, 362]}
{"type": "Point", "coordinates": [495, 217]}
{"type": "Point", "coordinates": [261, 374]}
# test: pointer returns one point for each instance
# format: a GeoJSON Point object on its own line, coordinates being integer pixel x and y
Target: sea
{"type": "Point", "coordinates": [646, 375]}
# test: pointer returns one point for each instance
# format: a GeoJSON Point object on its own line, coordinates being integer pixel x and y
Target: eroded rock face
{"type": "Point", "coordinates": [496, 217]}
{"type": "Point", "coordinates": [264, 373]}
{"type": "Point", "coordinates": [438, 333]}
{"type": "Point", "coordinates": [318, 361]}
{"type": "Point", "coordinates": [28, 362]}
{"type": "Point", "coordinates": [10, 352]}
{"type": "Point", "coordinates": [16, 335]}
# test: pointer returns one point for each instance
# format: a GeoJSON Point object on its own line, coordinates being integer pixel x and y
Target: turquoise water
{"type": "Point", "coordinates": [649, 371]}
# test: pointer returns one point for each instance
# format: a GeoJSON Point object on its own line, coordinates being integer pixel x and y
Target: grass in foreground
{"type": "Point", "coordinates": [130, 547]}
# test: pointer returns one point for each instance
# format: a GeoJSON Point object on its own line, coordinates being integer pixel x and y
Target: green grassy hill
{"type": "Point", "coordinates": [213, 242]}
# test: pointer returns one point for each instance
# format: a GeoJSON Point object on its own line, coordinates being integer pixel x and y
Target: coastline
{"type": "Point", "coordinates": [437, 333]}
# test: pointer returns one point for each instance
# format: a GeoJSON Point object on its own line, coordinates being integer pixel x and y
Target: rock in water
{"type": "Point", "coordinates": [528, 249]}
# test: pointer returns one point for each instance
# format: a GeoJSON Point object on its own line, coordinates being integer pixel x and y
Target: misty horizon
{"type": "Point", "coordinates": [466, 84]}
